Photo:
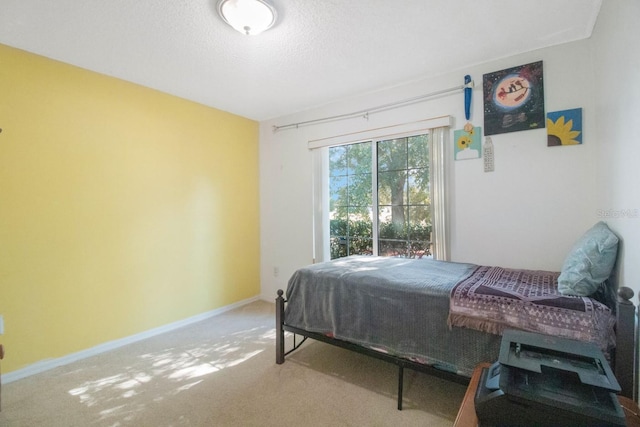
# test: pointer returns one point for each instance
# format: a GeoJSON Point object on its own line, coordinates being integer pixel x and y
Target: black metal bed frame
{"type": "Point", "coordinates": [624, 358]}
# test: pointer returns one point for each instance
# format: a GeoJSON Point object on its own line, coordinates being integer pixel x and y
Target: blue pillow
{"type": "Point", "coordinates": [590, 262]}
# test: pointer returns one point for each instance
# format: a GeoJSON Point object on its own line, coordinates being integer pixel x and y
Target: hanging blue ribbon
{"type": "Point", "coordinates": [467, 97]}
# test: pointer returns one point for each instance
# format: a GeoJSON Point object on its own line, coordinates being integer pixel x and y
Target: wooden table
{"type": "Point", "coordinates": [467, 412]}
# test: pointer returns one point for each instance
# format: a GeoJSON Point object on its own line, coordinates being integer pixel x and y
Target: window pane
{"type": "Point", "coordinates": [337, 161]}
{"type": "Point", "coordinates": [419, 231]}
{"type": "Point", "coordinates": [392, 155]}
{"type": "Point", "coordinates": [392, 188]}
{"type": "Point", "coordinates": [338, 247]}
{"type": "Point", "coordinates": [419, 222]}
{"type": "Point", "coordinates": [360, 190]}
{"type": "Point", "coordinates": [337, 191]}
{"type": "Point", "coordinates": [418, 152]}
{"type": "Point", "coordinates": [360, 225]}
{"type": "Point", "coordinates": [361, 246]}
{"type": "Point", "coordinates": [350, 206]}
{"type": "Point", "coordinates": [392, 226]}
{"type": "Point", "coordinates": [404, 215]}
{"type": "Point", "coordinates": [397, 248]}
{"type": "Point", "coordinates": [359, 158]}
{"type": "Point", "coordinates": [392, 237]}
{"type": "Point", "coordinates": [418, 185]}
{"type": "Point", "coordinates": [338, 225]}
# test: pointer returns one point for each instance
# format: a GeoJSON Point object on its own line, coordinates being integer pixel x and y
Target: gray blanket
{"type": "Point", "coordinates": [399, 306]}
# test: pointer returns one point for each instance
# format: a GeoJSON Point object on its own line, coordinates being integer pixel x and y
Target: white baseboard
{"type": "Point", "coordinates": [48, 364]}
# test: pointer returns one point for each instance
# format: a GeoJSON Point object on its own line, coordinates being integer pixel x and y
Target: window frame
{"type": "Point", "coordinates": [320, 179]}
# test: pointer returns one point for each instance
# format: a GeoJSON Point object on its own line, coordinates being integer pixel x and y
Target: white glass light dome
{"type": "Point", "coordinates": [250, 17]}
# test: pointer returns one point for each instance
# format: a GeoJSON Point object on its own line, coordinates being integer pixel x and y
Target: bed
{"type": "Point", "coordinates": [445, 318]}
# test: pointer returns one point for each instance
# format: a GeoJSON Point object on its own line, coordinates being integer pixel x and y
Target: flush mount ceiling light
{"type": "Point", "coordinates": [250, 17]}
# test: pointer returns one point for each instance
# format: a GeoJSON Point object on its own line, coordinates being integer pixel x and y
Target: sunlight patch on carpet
{"type": "Point", "coordinates": [173, 370]}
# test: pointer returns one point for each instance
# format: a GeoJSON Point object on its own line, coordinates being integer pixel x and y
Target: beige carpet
{"type": "Point", "coordinates": [222, 372]}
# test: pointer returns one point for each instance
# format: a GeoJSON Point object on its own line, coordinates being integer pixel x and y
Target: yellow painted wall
{"type": "Point", "coordinates": [121, 208]}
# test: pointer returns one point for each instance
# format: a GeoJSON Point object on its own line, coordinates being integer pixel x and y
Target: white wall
{"type": "Point", "coordinates": [540, 199]}
{"type": "Point", "coordinates": [526, 214]}
{"type": "Point", "coordinates": [616, 61]}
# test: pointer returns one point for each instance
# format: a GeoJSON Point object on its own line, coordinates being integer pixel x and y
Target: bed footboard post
{"type": "Point", "coordinates": [625, 362]}
{"type": "Point", "coordinates": [279, 328]}
{"type": "Point", "coordinates": [400, 385]}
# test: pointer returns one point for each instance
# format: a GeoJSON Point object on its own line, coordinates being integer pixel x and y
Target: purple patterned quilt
{"type": "Point", "coordinates": [492, 299]}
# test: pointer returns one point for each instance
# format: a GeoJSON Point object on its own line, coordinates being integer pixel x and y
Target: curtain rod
{"type": "Point", "coordinates": [365, 113]}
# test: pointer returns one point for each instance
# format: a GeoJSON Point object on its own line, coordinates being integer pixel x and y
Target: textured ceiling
{"type": "Point", "coordinates": [319, 50]}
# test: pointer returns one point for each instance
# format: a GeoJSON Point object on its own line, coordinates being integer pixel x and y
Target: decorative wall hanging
{"type": "Point", "coordinates": [514, 99]}
{"type": "Point", "coordinates": [467, 142]}
{"type": "Point", "coordinates": [564, 127]}
{"type": "Point", "coordinates": [488, 154]}
{"type": "Point", "coordinates": [467, 96]}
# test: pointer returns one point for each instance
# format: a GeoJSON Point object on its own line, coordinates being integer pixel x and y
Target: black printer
{"type": "Point", "coordinates": [540, 380]}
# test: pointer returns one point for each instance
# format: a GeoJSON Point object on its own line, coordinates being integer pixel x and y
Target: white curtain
{"type": "Point", "coordinates": [438, 154]}
{"type": "Point", "coordinates": [320, 192]}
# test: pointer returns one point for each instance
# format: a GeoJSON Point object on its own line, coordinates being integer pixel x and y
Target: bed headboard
{"type": "Point", "coordinates": [608, 295]}
{"type": "Point", "coordinates": [625, 357]}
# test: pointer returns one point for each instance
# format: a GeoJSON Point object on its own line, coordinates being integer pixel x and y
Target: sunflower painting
{"type": "Point", "coordinates": [467, 143]}
{"type": "Point", "coordinates": [564, 127]}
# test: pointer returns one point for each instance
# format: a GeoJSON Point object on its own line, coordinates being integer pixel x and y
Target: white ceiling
{"type": "Point", "coordinates": [319, 51]}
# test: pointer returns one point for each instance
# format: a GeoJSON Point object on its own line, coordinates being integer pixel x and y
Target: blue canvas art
{"type": "Point", "coordinates": [564, 127]}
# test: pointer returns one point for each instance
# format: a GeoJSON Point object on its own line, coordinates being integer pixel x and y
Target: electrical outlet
{"type": "Point", "coordinates": [276, 271]}
{"type": "Point", "coordinates": [1, 325]}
